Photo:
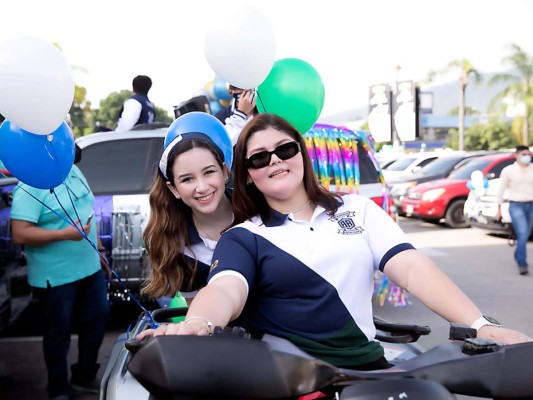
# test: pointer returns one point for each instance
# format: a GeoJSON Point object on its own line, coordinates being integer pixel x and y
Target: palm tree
{"type": "Point", "coordinates": [465, 71]}
{"type": "Point", "coordinates": [520, 88]}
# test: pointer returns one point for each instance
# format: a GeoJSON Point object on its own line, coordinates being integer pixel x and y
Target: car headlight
{"type": "Point", "coordinates": [401, 188]}
{"type": "Point", "coordinates": [433, 194]}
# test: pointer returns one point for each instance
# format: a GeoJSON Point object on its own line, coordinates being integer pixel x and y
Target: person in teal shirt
{"type": "Point", "coordinates": [65, 273]}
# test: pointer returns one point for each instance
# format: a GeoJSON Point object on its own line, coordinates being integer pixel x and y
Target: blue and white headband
{"type": "Point", "coordinates": [163, 162]}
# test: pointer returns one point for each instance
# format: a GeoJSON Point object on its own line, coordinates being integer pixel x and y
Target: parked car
{"type": "Point", "coordinates": [408, 164]}
{"type": "Point", "coordinates": [445, 198]}
{"type": "Point", "coordinates": [120, 167]}
{"type": "Point", "coordinates": [438, 169]}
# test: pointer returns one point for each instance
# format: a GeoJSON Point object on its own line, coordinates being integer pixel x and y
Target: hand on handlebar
{"type": "Point", "coordinates": [503, 335]}
{"type": "Point", "coordinates": [193, 328]}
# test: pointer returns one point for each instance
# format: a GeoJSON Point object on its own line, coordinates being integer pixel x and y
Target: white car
{"type": "Point", "coordinates": [481, 207]}
{"type": "Point", "coordinates": [408, 165]}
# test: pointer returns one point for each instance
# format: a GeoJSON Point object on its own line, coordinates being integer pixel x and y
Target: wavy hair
{"type": "Point", "coordinates": [248, 200]}
{"type": "Point", "coordinates": [167, 233]}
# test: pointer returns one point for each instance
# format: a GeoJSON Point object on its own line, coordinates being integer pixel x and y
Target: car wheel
{"type": "Point", "coordinates": [455, 217]}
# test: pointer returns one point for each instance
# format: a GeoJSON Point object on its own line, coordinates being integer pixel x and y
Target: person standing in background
{"type": "Point", "coordinates": [67, 277]}
{"type": "Point", "coordinates": [138, 109]}
{"type": "Point", "coordinates": [517, 180]}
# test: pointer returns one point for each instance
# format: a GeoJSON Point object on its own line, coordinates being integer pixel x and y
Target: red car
{"type": "Point", "coordinates": [445, 198]}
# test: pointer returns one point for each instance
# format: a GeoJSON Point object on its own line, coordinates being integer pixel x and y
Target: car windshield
{"type": "Point", "coordinates": [466, 170]}
{"type": "Point", "coordinates": [402, 164]}
{"type": "Point", "coordinates": [440, 165]}
{"type": "Point", "coordinates": [121, 166]}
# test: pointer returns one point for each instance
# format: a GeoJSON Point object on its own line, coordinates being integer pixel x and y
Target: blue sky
{"type": "Point", "coordinates": [352, 44]}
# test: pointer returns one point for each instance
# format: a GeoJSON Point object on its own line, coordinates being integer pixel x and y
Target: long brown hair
{"type": "Point", "coordinates": [167, 233]}
{"type": "Point", "coordinates": [248, 201]}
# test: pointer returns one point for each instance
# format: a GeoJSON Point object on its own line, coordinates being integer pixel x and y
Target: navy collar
{"type": "Point", "coordinates": [194, 236]}
{"type": "Point", "coordinates": [276, 218]}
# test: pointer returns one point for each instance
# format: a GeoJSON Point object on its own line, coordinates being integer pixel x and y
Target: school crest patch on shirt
{"type": "Point", "coordinates": [347, 224]}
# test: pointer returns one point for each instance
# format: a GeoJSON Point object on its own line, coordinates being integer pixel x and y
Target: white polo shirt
{"type": "Point", "coordinates": [312, 282]}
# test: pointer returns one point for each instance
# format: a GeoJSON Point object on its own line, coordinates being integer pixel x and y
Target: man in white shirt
{"type": "Point", "coordinates": [138, 109]}
{"type": "Point", "coordinates": [517, 180]}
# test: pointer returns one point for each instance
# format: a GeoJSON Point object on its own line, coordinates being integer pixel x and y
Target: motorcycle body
{"type": "Point", "coordinates": [399, 342]}
{"type": "Point", "coordinates": [231, 366]}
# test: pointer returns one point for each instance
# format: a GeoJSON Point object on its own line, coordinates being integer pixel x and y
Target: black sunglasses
{"type": "Point", "coordinates": [283, 152]}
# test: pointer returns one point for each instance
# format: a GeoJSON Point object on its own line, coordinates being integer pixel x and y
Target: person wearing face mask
{"type": "Point", "coordinates": [241, 109]}
{"type": "Point", "coordinates": [516, 180]}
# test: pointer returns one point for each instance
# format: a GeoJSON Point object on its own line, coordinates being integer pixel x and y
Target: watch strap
{"type": "Point", "coordinates": [481, 322]}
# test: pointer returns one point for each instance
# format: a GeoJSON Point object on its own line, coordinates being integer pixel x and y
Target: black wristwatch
{"type": "Point", "coordinates": [483, 321]}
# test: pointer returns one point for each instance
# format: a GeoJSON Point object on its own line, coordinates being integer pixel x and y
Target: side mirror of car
{"type": "Point", "coordinates": [490, 175]}
{"type": "Point", "coordinates": [416, 169]}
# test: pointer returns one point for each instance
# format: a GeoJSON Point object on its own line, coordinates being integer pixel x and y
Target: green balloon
{"type": "Point", "coordinates": [294, 91]}
{"type": "Point", "coordinates": [178, 301]}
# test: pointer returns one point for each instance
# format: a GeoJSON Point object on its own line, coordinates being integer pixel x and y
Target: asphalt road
{"type": "Point", "coordinates": [480, 264]}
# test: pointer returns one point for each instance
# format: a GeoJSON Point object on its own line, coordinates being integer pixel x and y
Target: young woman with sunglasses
{"type": "Point", "coordinates": [299, 262]}
{"type": "Point", "coordinates": [189, 208]}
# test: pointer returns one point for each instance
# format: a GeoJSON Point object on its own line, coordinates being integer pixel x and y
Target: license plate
{"type": "Point", "coordinates": [409, 209]}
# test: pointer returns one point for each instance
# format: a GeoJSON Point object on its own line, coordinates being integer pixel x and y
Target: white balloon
{"type": "Point", "coordinates": [240, 46]}
{"type": "Point", "coordinates": [36, 85]}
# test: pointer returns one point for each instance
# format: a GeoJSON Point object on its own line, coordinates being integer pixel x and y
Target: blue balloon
{"type": "Point", "coordinates": [205, 123]}
{"type": "Point", "coordinates": [220, 89]}
{"type": "Point", "coordinates": [215, 107]}
{"type": "Point", "coordinates": [41, 161]}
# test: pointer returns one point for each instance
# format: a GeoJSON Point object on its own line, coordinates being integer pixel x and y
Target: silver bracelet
{"type": "Point", "coordinates": [208, 323]}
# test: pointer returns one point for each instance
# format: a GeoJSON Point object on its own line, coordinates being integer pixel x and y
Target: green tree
{"type": "Point", "coordinates": [519, 88]}
{"type": "Point", "coordinates": [80, 112]}
{"type": "Point", "coordinates": [466, 70]}
{"type": "Point", "coordinates": [493, 135]}
{"type": "Point", "coordinates": [109, 111]}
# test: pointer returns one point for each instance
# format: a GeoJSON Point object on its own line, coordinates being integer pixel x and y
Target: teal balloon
{"type": "Point", "coordinates": [294, 91]}
{"type": "Point", "coordinates": [178, 301]}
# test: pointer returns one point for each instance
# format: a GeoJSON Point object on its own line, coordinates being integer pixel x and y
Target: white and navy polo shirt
{"type": "Point", "coordinates": [312, 282]}
{"type": "Point", "coordinates": [200, 252]}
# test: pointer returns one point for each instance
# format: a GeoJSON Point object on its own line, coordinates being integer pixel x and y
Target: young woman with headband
{"type": "Point", "coordinates": [189, 204]}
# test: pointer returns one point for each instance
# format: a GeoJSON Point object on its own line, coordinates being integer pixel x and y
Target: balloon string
{"type": "Point", "coordinates": [102, 258]}
{"type": "Point", "coordinates": [261, 101]}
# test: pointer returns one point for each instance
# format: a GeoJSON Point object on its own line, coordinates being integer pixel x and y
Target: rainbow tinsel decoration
{"type": "Point", "coordinates": [335, 153]}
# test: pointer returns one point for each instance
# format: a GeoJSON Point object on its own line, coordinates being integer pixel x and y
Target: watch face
{"type": "Point", "coordinates": [491, 320]}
